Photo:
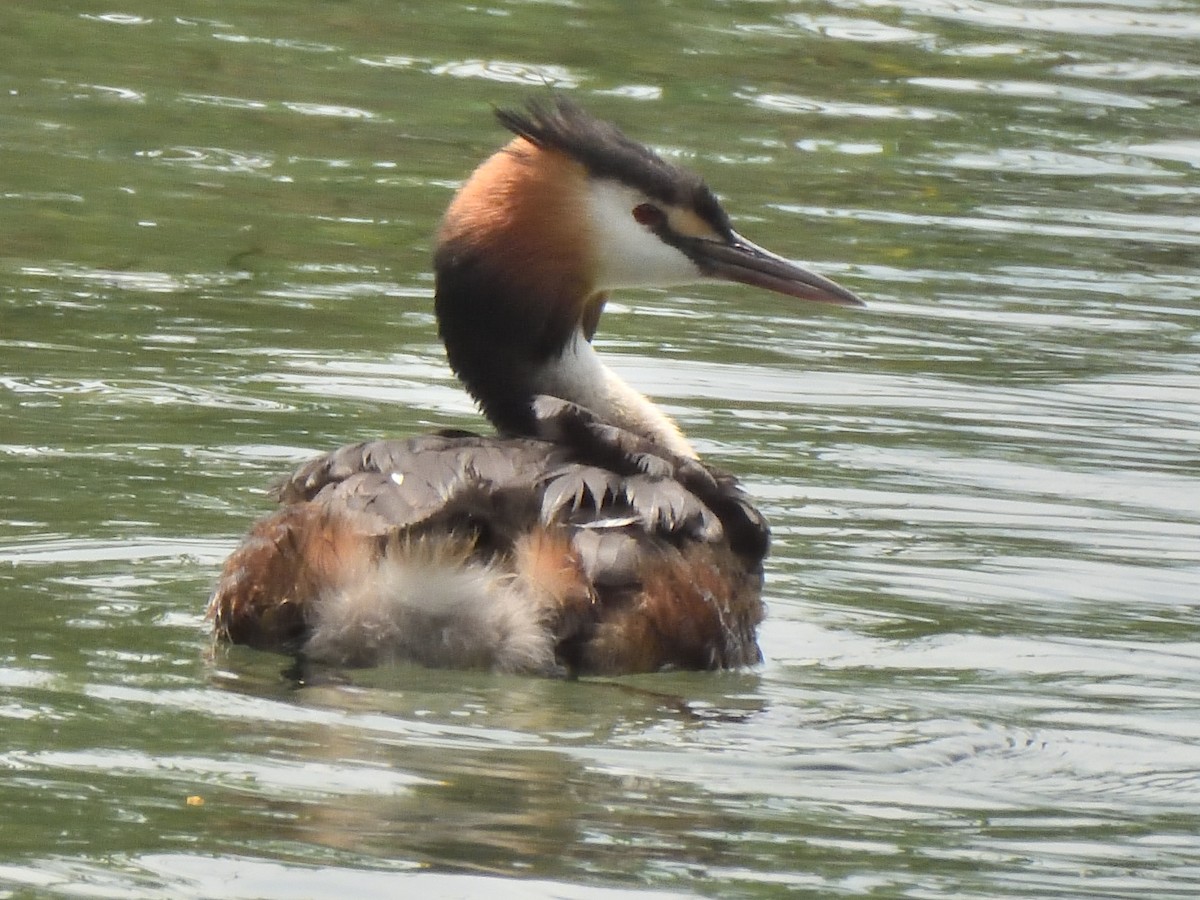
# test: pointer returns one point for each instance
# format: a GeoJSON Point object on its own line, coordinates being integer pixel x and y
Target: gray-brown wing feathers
{"type": "Point", "coordinates": [394, 486]}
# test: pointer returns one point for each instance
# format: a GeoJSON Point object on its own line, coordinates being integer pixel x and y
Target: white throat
{"type": "Point", "coordinates": [580, 376]}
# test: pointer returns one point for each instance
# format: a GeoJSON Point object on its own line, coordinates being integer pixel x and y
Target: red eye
{"type": "Point", "coordinates": [649, 215]}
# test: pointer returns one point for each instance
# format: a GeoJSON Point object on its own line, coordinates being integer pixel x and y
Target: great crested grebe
{"type": "Point", "coordinates": [586, 537]}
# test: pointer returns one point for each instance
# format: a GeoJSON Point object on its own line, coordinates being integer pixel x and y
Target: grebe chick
{"type": "Point", "coordinates": [586, 536]}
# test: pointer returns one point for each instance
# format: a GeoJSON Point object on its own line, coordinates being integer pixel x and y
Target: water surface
{"type": "Point", "coordinates": [983, 664]}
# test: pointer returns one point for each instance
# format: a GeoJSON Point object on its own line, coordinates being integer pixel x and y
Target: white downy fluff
{"type": "Point", "coordinates": [404, 608]}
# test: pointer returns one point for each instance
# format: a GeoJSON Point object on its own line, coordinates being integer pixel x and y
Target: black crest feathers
{"type": "Point", "coordinates": [604, 150]}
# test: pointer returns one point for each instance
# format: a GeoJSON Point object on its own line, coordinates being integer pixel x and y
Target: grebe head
{"type": "Point", "coordinates": [652, 223]}
{"type": "Point", "coordinates": [540, 233]}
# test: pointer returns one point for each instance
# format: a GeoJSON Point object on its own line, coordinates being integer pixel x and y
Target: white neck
{"type": "Point", "coordinates": [580, 376]}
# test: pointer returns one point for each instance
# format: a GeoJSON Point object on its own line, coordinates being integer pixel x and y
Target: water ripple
{"type": "Point", "coordinates": [792, 103]}
{"type": "Point", "coordinates": [216, 159]}
{"type": "Point", "coordinates": [137, 391]}
{"type": "Point", "coordinates": [1183, 150]}
{"type": "Point", "coordinates": [159, 876]}
{"type": "Point", "coordinates": [329, 110]}
{"type": "Point", "coordinates": [860, 30]}
{"type": "Point", "coordinates": [1129, 70]}
{"type": "Point", "coordinates": [132, 280]}
{"type": "Point", "coordinates": [509, 72]}
{"type": "Point", "coordinates": [58, 550]}
{"type": "Point", "coordinates": [1038, 90]}
{"type": "Point", "coordinates": [260, 774]}
{"type": "Point", "coordinates": [1056, 163]}
{"type": "Point", "coordinates": [1018, 220]}
{"type": "Point", "coordinates": [1075, 18]}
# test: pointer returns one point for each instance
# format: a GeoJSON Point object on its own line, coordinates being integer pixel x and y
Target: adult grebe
{"type": "Point", "coordinates": [586, 537]}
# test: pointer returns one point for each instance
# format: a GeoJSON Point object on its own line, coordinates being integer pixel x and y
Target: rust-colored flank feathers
{"type": "Point", "coordinates": [585, 536]}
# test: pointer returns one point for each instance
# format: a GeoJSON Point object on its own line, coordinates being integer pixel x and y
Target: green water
{"type": "Point", "coordinates": [983, 650]}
